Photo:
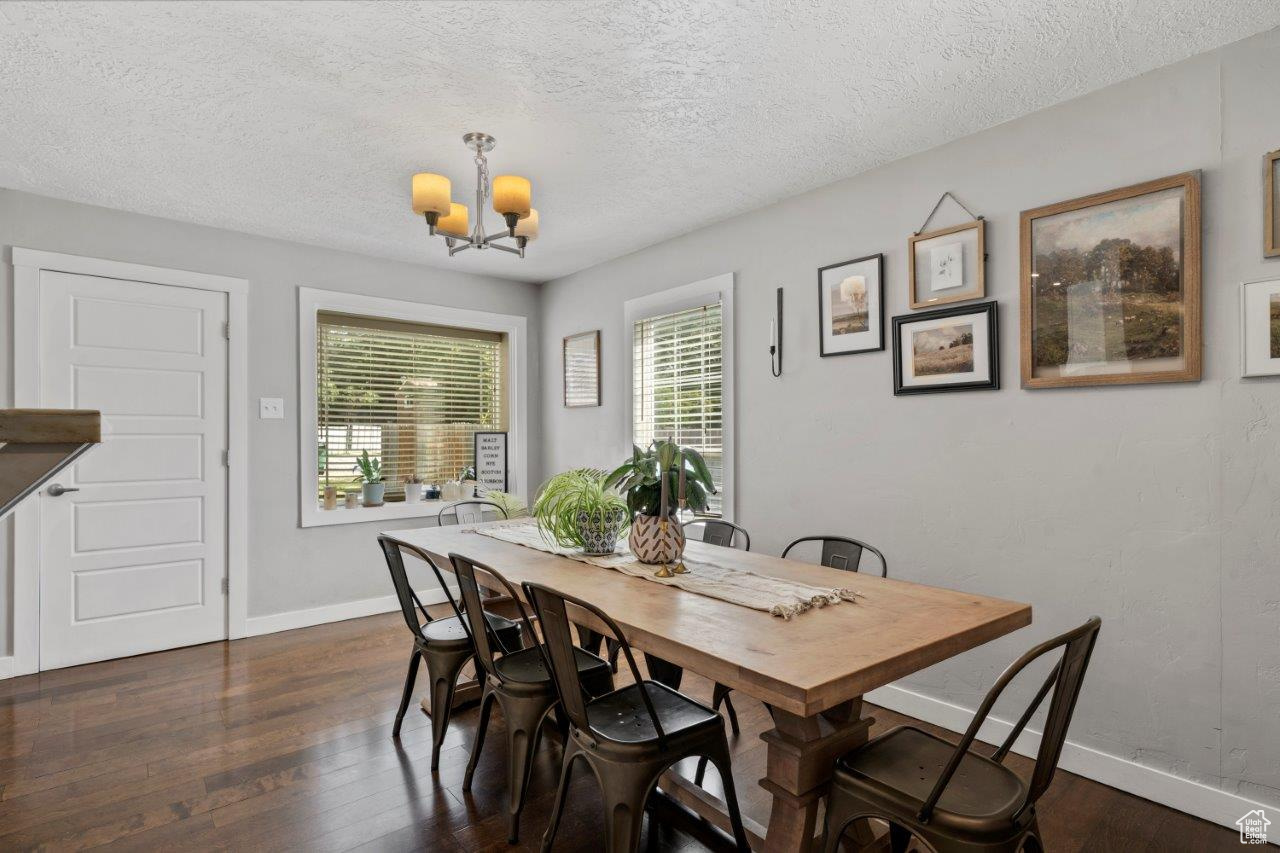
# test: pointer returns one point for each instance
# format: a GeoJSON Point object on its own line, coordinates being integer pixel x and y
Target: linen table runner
{"type": "Point", "coordinates": [776, 596]}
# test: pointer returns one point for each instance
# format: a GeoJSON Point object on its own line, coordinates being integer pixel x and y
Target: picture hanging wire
{"type": "Point", "coordinates": [941, 199]}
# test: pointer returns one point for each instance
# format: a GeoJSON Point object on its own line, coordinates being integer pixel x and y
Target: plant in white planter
{"type": "Point", "coordinates": [575, 510]}
{"type": "Point", "coordinates": [413, 489]}
{"type": "Point", "coordinates": [467, 481]}
{"type": "Point", "coordinates": [657, 482]}
{"type": "Point", "coordinates": [372, 489]}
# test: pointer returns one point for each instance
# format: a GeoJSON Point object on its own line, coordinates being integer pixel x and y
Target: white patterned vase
{"type": "Point", "coordinates": [650, 546]}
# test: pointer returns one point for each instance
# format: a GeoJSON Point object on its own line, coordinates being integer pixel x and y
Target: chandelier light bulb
{"type": "Point", "coordinates": [457, 223]}
{"type": "Point", "coordinates": [431, 194]}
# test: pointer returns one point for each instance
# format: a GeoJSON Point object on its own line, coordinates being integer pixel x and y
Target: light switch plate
{"type": "Point", "coordinates": [271, 408]}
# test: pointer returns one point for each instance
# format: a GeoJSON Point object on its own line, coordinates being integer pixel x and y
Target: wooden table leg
{"type": "Point", "coordinates": [801, 757]}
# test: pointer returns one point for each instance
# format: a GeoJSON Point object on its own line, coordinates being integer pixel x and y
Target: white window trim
{"type": "Point", "coordinates": [717, 288]}
{"type": "Point", "coordinates": [310, 302]}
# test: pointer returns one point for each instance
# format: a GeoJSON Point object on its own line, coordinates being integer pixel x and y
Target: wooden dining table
{"type": "Point", "coordinates": [810, 671]}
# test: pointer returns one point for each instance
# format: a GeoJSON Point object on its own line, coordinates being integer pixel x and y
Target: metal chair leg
{"type": "Point", "coordinates": [571, 752]}
{"type": "Point", "coordinates": [625, 789]}
{"type": "Point", "coordinates": [524, 717]}
{"type": "Point", "coordinates": [407, 697]}
{"type": "Point", "coordinates": [720, 758]}
{"type": "Point", "coordinates": [486, 709]}
{"type": "Point", "coordinates": [840, 812]}
{"type": "Point", "coordinates": [899, 838]}
{"type": "Point", "coordinates": [442, 669]}
{"type": "Point", "coordinates": [721, 694]}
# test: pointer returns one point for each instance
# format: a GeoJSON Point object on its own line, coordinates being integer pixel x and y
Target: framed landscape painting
{"type": "Point", "coordinates": [581, 354]}
{"type": "Point", "coordinates": [1260, 328]}
{"type": "Point", "coordinates": [851, 306]}
{"type": "Point", "coordinates": [950, 349]}
{"type": "Point", "coordinates": [1111, 287]}
{"type": "Point", "coordinates": [948, 265]}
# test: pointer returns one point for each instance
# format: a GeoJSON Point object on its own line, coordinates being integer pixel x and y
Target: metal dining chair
{"type": "Point", "coordinates": [468, 512]}
{"type": "Point", "coordinates": [726, 534]}
{"type": "Point", "coordinates": [841, 552]}
{"type": "Point", "coordinates": [628, 737]}
{"type": "Point", "coordinates": [445, 644]}
{"type": "Point", "coordinates": [519, 680]}
{"type": "Point", "coordinates": [950, 797]}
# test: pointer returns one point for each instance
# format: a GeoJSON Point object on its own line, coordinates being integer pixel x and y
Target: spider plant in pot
{"type": "Point", "coordinates": [576, 510]}
{"type": "Point", "coordinates": [657, 481]}
{"type": "Point", "coordinates": [372, 489]}
{"type": "Point", "coordinates": [467, 481]}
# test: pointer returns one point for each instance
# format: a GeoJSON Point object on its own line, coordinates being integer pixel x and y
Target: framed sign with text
{"type": "Point", "coordinates": [491, 461]}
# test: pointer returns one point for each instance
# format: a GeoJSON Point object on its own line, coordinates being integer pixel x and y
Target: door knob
{"type": "Point", "coordinates": [57, 490]}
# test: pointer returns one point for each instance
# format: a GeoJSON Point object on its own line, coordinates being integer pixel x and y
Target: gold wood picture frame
{"type": "Point", "coordinates": [1110, 287]}
{"type": "Point", "coordinates": [580, 359]}
{"type": "Point", "coordinates": [947, 265]}
{"type": "Point", "coordinates": [1271, 188]}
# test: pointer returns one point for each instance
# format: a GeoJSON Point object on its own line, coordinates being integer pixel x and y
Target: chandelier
{"type": "Point", "coordinates": [450, 220]}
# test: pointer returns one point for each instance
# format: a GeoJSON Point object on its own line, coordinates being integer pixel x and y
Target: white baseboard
{"type": "Point", "coordinates": [1194, 798]}
{"type": "Point", "coordinates": [6, 668]}
{"type": "Point", "coordinates": [289, 620]}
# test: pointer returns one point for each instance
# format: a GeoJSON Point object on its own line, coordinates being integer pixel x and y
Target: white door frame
{"type": "Point", "coordinates": [27, 267]}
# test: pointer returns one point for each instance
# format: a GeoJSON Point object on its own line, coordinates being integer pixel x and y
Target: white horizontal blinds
{"type": "Point", "coordinates": [678, 385]}
{"type": "Point", "coordinates": [412, 395]}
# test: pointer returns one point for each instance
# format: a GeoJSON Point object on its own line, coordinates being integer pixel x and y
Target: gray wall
{"type": "Point", "coordinates": [1153, 506]}
{"type": "Point", "coordinates": [289, 568]}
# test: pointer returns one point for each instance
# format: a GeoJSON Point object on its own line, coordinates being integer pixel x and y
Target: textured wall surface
{"type": "Point", "coordinates": [1153, 506]}
{"type": "Point", "coordinates": [289, 568]}
{"type": "Point", "coordinates": [636, 120]}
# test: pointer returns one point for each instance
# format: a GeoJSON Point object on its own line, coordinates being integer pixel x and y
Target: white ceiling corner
{"type": "Point", "coordinates": [635, 121]}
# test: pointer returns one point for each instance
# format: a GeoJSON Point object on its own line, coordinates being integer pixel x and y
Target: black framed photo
{"type": "Point", "coordinates": [949, 349]}
{"type": "Point", "coordinates": [491, 461]}
{"type": "Point", "coordinates": [851, 306]}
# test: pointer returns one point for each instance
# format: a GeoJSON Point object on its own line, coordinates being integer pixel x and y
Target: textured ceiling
{"type": "Point", "coordinates": [635, 120]}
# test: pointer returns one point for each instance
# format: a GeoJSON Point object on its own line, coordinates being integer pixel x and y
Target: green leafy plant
{"type": "Point", "coordinates": [639, 480]}
{"type": "Point", "coordinates": [468, 473]}
{"type": "Point", "coordinates": [370, 469]}
{"type": "Point", "coordinates": [573, 505]}
{"type": "Point", "coordinates": [514, 507]}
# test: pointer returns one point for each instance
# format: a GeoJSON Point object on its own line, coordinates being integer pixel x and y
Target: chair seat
{"type": "Point", "coordinates": [899, 769]}
{"type": "Point", "coordinates": [621, 717]}
{"type": "Point", "coordinates": [449, 631]}
{"type": "Point", "coordinates": [528, 666]}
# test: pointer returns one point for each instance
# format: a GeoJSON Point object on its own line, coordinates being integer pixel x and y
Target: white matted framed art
{"type": "Point", "coordinates": [851, 306]}
{"type": "Point", "coordinates": [1260, 328]}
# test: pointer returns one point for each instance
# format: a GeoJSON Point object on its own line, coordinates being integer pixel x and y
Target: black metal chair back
{"type": "Point", "coordinates": [841, 552]}
{"type": "Point", "coordinates": [411, 607]}
{"type": "Point", "coordinates": [468, 512]}
{"type": "Point", "coordinates": [726, 534]}
{"type": "Point", "coordinates": [1064, 681]}
{"type": "Point", "coordinates": [487, 642]}
{"type": "Point", "coordinates": [551, 607]}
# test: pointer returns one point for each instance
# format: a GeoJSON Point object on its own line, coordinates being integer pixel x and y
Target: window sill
{"type": "Point", "coordinates": [318, 517]}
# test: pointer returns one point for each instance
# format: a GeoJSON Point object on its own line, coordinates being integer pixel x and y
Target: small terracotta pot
{"type": "Point", "coordinates": [647, 543]}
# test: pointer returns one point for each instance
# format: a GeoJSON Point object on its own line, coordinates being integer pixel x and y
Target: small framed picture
{"type": "Point", "coordinates": [1271, 194]}
{"type": "Point", "coordinates": [1260, 328]}
{"type": "Point", "coordinates": [582, 370]}
{"type": "Point", "coordinates": [851, 306]}
{"type": "Point", "coordinates": [948, 265]}
{"type": "Point", "coordinates": [1111, 287]}
{"type": "Point", "coordinates": [950, 349]}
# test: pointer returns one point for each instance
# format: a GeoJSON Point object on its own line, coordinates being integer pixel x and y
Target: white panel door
{"type": "Point", "coordinates": [133, 555]}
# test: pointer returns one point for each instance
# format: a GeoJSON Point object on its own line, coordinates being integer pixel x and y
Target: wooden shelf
{"type": "Point", "coordinates": [50, 426]}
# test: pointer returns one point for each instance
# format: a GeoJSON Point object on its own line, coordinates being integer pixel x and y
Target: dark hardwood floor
{"type": "Point", "coordinates": [283, 742]}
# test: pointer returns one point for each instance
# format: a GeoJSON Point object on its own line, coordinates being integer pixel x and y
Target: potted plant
{"type": "Point", "coordinates": [467, 482]}
{"type": "Point", "coordinates": [372, 488]}
{"type": "Point", "coordinates": [641, 479]}
{"type": "Point", "coordinates": [576, 510]}
{"type": "Point", "coordinates": [412, 489]}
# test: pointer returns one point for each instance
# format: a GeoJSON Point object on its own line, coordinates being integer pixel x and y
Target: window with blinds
{"type": "Point", "coordinates": [677, 385]}
{"type": "Point", "coordinates": [412, 395]}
